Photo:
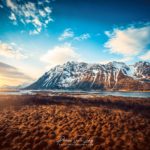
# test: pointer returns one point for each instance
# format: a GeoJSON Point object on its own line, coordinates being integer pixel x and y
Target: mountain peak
{"type": "Point", "coordinates": [71, 63]}
{"type": "Point", "coordinates": [114, 75]}
{"type": "Point", "coordinates": [117, 64]}
{"type": "Point", "coordinates": [142, 63]}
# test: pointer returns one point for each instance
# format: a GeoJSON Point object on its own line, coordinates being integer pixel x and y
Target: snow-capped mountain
{"type": "Point", "coordinates": [111, 76]}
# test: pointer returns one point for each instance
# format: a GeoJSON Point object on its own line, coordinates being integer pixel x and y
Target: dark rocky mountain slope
{"type": "Point", "coordinates": [111, 76]}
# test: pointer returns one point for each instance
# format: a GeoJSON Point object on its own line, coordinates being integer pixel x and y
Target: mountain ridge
{"type": "Point", "coordinates": [83, 76]}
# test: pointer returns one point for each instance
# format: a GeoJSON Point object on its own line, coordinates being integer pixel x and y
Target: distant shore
{"type": "Point", "coordinates": [141, 94]}
{"type": "Point", "coordinates": [15, 90]}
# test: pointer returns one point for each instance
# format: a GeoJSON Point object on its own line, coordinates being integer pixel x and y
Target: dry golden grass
{"type": "Point", "coordinates": [51, 123]}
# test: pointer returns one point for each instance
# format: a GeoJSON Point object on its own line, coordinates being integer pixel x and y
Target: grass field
{"type": "Point", "coordinates": [74, 121]}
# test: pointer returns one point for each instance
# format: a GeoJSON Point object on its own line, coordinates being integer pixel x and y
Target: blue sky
{"type": "Point", "coordinates": [37, 35]}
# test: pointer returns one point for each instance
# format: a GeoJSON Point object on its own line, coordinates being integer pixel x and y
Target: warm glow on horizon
{"type": "Point", "coordinates": [6, 81]}
{"type": "Point", "coordinates": [2, 82]}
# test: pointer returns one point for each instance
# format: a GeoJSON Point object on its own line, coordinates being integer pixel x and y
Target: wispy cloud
{"type": "Point", "coordinates": [123, 59]}
{"type": "Point", "coordinates": [12, 16]}
{"type": "Point", "coordinates": [36, 14]}
{"type": "Point", "coordinates": [10, 75]}
{"type": "Point", "coordinates": [82, 37]}
{"type": "Point", "coordinates": [128, 42]}
{"type": "Point", "coordinates": [145, 56]}
{"type": "Point", "coordinates": [69, 34]}
{"type": "Point", "coordinates": [11, 51]}
{"type": "Point", "coordinates": [60, 54]}
{"type": "Point", "coordinates": [1, 6]}
{"type": "Point", "coordinates": [11, 4]}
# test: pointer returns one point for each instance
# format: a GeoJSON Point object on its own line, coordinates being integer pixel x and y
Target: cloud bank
{"type": "Point", "coordinates": [11, 76]}
{"type": "Point", "coordinates": [129, 42]}
{"type": "Point", "coordinates": [11, 51]}
{"type": "Point", "coordinates": [60, 54]}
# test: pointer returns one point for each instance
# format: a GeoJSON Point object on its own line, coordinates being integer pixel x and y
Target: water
{"type": "Point", "coordinates": [21, 92]}
{"type": "Point", "coordinates": [103, 93]}
{"type": "Point", "coordinates": [127, 94]}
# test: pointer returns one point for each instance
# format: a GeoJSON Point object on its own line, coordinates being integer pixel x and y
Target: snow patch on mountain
{"type": "Point", "coordinates": [83, 75]}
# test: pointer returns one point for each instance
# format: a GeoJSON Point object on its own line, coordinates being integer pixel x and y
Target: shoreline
{"type": "Point", "coordinates": [71, 90]}
{"type": "Point", "coordinates": [123, 94]}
